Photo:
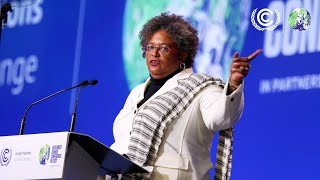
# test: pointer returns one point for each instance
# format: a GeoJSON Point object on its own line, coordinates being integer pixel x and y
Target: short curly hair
{"type": "Point", "coordinates": [183, 34]}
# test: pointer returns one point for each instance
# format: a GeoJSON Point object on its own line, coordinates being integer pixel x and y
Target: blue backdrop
{"type": "Point", "coordinates": [53, 45]}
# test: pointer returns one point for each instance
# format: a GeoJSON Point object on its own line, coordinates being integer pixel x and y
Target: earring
{"type": "Point", "coordinates": [182, 66]}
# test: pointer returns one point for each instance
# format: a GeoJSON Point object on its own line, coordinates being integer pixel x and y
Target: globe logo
{"type": "Point", "coordinates": [5, 156]}
{"type": "Point", "coordinates": [299, 19]}
{"type": "Point", "coordinates": [221, 25]}
{"type": "Point", "coordinates": [44, 154]}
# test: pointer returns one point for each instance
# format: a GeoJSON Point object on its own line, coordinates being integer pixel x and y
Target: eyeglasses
{"type": "Point", "coordinates": [162, 49]}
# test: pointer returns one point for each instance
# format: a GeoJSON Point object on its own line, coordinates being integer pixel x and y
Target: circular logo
{"type": "Point", "coordinates": [44, 154]}
{"type": "Point", "coordinates": [299, 19]}
{"type": "Point", "coordinates": [5, 157]}
{"type": "Point", "coordinates": [265, 19]}
{"type": "Point", "coordinates": [221, 25]}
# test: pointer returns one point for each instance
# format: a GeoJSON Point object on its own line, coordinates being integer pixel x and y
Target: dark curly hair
{"type": "Point", "coordinates": [184, 35]}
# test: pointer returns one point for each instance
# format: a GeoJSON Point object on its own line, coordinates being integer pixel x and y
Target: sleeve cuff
{"type": "Point", "coordinates": [236, 91]}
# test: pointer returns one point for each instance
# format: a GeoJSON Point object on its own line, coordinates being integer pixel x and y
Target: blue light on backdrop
{"type": "Point", "coordinates": [52, 45]}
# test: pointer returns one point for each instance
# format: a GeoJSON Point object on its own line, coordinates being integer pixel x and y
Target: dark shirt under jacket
{"type": "Point", "coordinates": [155, 85]}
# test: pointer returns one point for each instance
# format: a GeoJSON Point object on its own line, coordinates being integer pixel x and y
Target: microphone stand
{"type": "Point", "coordinates": [23, 121]}
{"type": "Point", "coordinates": [74, 114]}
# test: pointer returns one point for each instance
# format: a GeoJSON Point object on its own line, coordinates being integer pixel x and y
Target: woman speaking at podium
{"type": "Point", "coordinates": [168, 122]}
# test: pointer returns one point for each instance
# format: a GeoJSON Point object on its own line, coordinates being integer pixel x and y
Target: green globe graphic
{"type": "Point", "coordinates": [44, 154]}
{"type": "Point", "coordinates": [222, 26]}
{"type": "Point", "coordinates": [299, 19]}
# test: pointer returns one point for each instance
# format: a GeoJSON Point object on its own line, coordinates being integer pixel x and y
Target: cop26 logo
{"type": "Point", "coordinates": [5, 156]}
{"type": "Point", "coordinates": [44, 154]}
{"type": "Point", "coordinates": [264, 18]}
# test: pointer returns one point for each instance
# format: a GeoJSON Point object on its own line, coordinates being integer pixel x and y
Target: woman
{"type": "Point", "coordinates": [168, 122]}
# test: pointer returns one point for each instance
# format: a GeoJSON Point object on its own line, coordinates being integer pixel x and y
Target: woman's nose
{"type": "Point", "coordinates": [155, 52]}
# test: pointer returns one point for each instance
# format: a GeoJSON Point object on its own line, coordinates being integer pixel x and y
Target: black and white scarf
{"type": "Point", "coordinates": [224, 155]}
{"type": "Point", "coordinates": [151, 121]}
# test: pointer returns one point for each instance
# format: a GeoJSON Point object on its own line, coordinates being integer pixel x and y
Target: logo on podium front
{"type": "Point", "coordinates": [44, 154]}
{"type": "Point", "coordinates": [5, 156]}
{"type": "Point", "coordinates": [50, 154]}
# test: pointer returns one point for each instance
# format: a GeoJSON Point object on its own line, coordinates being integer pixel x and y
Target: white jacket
{"type": "Point", "coordinates": [185, 149]}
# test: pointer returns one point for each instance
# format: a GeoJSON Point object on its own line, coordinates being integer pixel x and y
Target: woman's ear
{"type": "Point", "coordinates": [183, 56]}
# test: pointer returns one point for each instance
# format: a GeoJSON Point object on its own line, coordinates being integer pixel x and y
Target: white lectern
{"type": "Point", "coordinates": [61, 155]}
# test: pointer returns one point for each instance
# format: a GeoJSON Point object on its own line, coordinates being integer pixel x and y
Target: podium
{"type": "Point", "coordinates": [60, 155]}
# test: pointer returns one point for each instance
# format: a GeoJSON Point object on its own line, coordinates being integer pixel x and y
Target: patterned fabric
{"type": "Point", "coordinates": [151, 121]}
{"type": "Point", "coordinates": [224, 155]}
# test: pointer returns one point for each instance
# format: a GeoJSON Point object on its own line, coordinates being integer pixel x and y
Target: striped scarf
{"type": "Point", "coordinates": [224, 155]}
{"type": "Point", "coordinates": [151, 121]}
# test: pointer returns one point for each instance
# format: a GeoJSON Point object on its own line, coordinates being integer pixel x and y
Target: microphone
{"type": "Point", "coordinates": [23, 121]}
{"type": "Point", "coordinates": [93, 82]}
{"type": "Point", "coordinates": [74, 114]}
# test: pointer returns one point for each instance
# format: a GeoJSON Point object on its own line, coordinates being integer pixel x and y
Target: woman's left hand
{"type": "Point", "coordinates": [240, 67]}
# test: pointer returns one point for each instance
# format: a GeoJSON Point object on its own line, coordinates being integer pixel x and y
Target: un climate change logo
{"type": "Point", "coordinates": [267, 23]}
{"type": "Point", "coordinates": [5, 157]}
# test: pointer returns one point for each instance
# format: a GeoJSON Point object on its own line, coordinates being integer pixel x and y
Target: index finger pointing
{"type": "Point", "coordinates": [253, 55]}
